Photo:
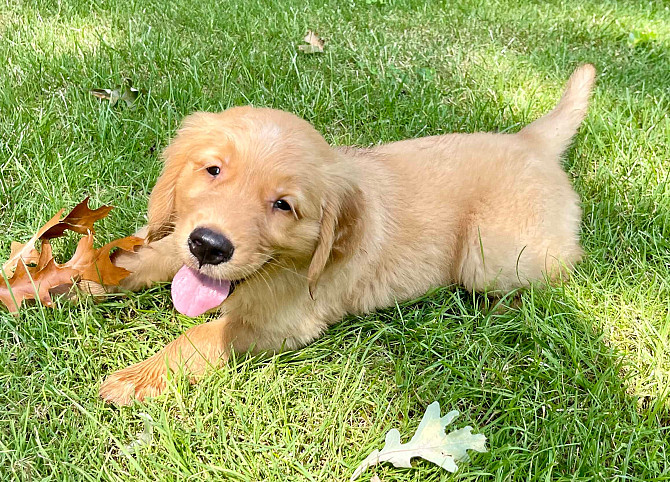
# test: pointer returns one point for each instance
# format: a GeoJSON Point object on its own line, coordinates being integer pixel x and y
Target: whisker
{"type": "Point", "coordinates": [280, 264]}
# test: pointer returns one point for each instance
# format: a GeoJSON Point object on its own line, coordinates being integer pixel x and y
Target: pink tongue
{"type": "Point", "coordinates": [194, 293]}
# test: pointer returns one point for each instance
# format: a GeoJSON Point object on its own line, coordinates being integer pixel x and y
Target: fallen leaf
{"type": "Point", "coordinates": [30, 274]}
{"type": "Point", "coordinates": [29, 256]}
{"type": "Point", "coordinates": [315, 43]}
{"type": "Point", "coordinates": [80, 220]}
{"type": "Point", "coordinates": [105, 94]}
{"type": "Point", "coordinates": [430, 442]}
{"type": "Point", "coordinates": [45, 256]}
{"type": "Point", "coordinates": [84, 255]}
{"type": "Point", "coordinates": [96, 265]}
{"type": "Point", "coordinates": [31, 283]}
{"type": "Point", "coordinates": [125, 92]}
{"type": "Point", "coordinates": [143, 438]}
{"type": "Point", "coordinates": [27, 251]}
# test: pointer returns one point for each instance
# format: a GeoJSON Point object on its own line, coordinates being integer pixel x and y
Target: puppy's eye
{"type": "Point", "coordinates": [214, 170]}
{"type": "Point", "coordinates": [282, 205]}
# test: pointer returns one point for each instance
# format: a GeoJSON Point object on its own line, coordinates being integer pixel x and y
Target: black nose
{"type": "Point", "coordinates": [210, 247]}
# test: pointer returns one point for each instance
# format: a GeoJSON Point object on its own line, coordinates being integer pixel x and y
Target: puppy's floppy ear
{"type": "Point", "coordinates": [338, 234]}
{"type": "Point", "coordinates": [324, 245]}
{"type": "Point", "coordinates": [161, 201]}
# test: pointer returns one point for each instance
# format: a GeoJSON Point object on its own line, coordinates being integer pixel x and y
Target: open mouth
{"type": "Point", "coordinates": [194, 293]}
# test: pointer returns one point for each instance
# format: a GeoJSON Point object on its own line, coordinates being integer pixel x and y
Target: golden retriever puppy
{"type": "Point", "coordinates": [257, 217]}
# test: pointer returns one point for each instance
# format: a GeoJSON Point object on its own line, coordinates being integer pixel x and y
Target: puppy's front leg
{"type": "Point", "coordinates": [201, 347]}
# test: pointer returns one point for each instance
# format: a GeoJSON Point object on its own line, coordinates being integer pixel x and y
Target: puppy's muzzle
{"type": "Point", "coordinates": [209, 246]}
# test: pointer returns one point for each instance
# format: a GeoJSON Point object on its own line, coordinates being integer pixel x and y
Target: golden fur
{"type": "Point", "coordinates": [492, 212]}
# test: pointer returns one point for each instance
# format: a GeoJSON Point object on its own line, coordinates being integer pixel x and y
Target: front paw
{"type": "Point", "coordinates": [131, 262]}
{"type": "Point", "coordinates": [132, 383]}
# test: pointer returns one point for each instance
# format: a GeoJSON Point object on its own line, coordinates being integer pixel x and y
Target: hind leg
{"type": "Point", "coordinates": [499, 264]}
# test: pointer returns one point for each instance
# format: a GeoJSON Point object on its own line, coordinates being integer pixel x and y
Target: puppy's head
{"type": "Point", "coordinates": [247, 188]}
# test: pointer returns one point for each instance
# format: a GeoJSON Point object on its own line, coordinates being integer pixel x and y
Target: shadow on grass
{"type": "Point", "coordinates": [539, 380]}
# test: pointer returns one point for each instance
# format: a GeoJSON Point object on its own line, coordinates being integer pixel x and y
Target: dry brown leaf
{"type": "Point", "coordinates": [30, 254]}
{"type": "Point", "coordinates": [315, 43]}
{"type": "Point", "coordinates": [108, 273]}
{"type": "Point", "coordinates": [45, 256]}
{"type": "Point", "coordinates": [80, 220]}
{"type": "Point", "coordinates": [27, 251]}
{"type": "Point", "coordinates": [35, 275]}
{"type": "Point", "coordinates": [31, 283]}
{"type": "Point", "coordinates": [84, 255]}
{"type": "Point", "coordinates": [96, 265]}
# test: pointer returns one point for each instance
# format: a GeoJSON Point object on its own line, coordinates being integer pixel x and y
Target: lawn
{"type": "Point", "coordinates": [569, 384]}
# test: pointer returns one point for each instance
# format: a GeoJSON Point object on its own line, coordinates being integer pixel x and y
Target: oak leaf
{"type": "Point", "coordinates": [27, 251]}
{"type": "Point", "coordinates": [80, 220]}
{"type": "Point", "coordinates": [33, 275]}
{"type": "Point", "coordinates": [29, 254]}
{"type": "Point", "coordinates": [125, 92]}
{"type": "Point", "coordinates": [430, 442]}
{"type": "Point", "coordinates": [33, 283]}
{"type": "Point", "coordinates": [96, 265]}
{"type": "Point", "coordinates": [314, 43]}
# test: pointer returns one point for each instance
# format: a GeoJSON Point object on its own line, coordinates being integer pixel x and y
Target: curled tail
{"type": "Point", "coordinates": [553, 132]}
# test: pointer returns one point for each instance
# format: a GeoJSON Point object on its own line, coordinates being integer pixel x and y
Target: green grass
{"type": "Point", "coordinates": [569, 385]}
